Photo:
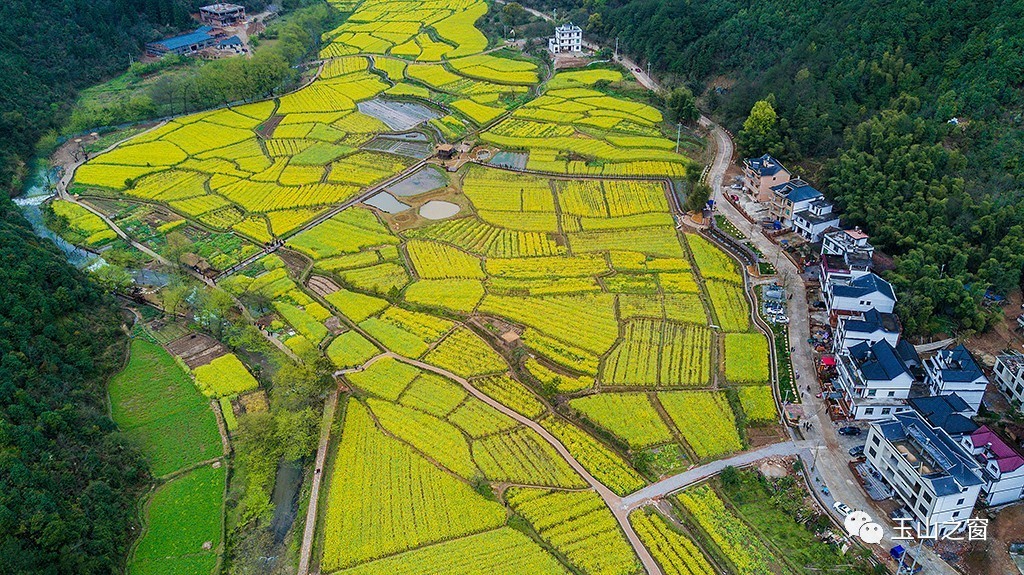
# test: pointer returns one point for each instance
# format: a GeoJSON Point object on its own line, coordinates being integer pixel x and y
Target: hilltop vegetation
{"type": "Point", "coordinates": [866, 89]}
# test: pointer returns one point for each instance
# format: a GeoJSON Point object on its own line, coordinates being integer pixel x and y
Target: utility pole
{"type": "Point", "coordinates": [648, 68]}
{"type": "Point", "coordinates": [679, 128]}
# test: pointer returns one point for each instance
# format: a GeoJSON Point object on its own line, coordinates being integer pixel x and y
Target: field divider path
{"type": "Point", "coordinates": [613, 501]}
{"type": "Point", "coordinates": [306, 550]}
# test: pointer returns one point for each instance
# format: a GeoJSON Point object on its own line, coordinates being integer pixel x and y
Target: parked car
{"type": "Point", "coordinates": [857, 451]}
{"type": "Point", "coordinates": [849, 430]}
{"type": "Point", "coordinates": [900, 513]}
{"type": "Point", "coordinates": [842, 508]}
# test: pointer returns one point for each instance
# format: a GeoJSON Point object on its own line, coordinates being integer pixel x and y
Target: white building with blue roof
{"type": "Point", "coordinates": [870, 327]}
{"type": "Point", "coordinates": [931, 474]}
{"type": "Point", "coordinates": [849, 293]}
{"type": "Point", "coordinates": [813, 222]}
{"type": "Point", "coordinates": [875, 380]}
{"type": "Point", "coordinates": [955, 371]}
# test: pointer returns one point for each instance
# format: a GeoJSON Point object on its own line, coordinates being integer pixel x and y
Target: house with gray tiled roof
{"type": "Point", "coordinates": [948, 412]}
{"type": "Point", "coordinates": [761, 174]}
{"type": "Point", "coordinates": [813, 222]}
{"type": "Point", "coordinates": [955, 371]}
{"type": "Point", "coordinates": [869, 327]}
{"type": "Point", "coordinates": [932, 474]}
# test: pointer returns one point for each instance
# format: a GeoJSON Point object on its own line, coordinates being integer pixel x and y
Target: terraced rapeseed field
{"type": "Point", "coordinates": [606, 306]}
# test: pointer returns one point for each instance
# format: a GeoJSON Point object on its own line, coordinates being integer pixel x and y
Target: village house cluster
{"type": "Point", "coordinates": [215, 33]}
{"type": "Point", "coordinates": [918, 402]}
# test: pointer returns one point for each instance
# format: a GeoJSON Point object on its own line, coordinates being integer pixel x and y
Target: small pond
{"type": "Point", "coordinates": [386, 203]}
{"type": "Point", "coordinates": [515, 160]}
{"type": "Point", "coordinates": [438, 210]}
{"type": "Point", "coordinates": [425, 179]}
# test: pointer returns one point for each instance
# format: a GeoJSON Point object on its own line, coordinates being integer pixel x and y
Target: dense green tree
{"type": "Point", "coordinates": [760, 133]}
{"type": "Point", "coordinates": [683, 105]}
{"type": "Point", "coordinates": [513, 14]}
{"type": "Point", "coordinates": [68, 480]}
{"type": "Point", "coordinates": [697, 197]}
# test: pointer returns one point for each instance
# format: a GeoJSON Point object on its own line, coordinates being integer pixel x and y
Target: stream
{"type": "Point", "coordinates": [38, 190]}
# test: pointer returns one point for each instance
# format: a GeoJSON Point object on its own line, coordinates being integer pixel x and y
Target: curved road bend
{"type": "Point", "coordinates": [831, 461]}
{"type": "Point", "coordinates": [697, 474]}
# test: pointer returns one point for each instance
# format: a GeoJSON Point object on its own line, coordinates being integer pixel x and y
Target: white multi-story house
{"type": "Point", "coordinates": [812, 222]}
{"type": "Point", "coordinates": [1002, 467]}
{"type": "Point", "coordinates": [869, 327]}
{"type": "Point", "coordinates": [875, 380]}
{"type": "Point", "coordinates": [568, 39]}
{"type": "Point", "coordinates": [850, 244]}
{"type": "Point", "coordinates": [761, 174]}
{"type": "Point", "coordinates": [789, 198]}
{"type": "Point", "coordinates": [1009, 374]}
{"type": "Point", "coordinates": [929, 472]}
{"type": "Point", "coordinates": [848, 292]}
{"type": "Point", "coordinates": [955, 371]}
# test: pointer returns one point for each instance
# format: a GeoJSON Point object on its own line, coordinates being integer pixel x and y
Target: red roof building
{"type": "Point", "coordinates": [1002, 465]}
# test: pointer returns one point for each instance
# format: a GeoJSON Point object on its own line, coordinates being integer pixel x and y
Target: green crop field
{"type": "Point", "coordinates": [746, 553]}
{"type": "Point", "coordinates": [629, 416]}
{"type": "Point", "coordinates": [576, 523]}
{"type": "Point", "coordinates": [225, 375]}
{"type": "Point", "coordinates": [674, 551]}
{"type": "Point", "coordinates": [182, 518]}
{"type": "Point", "coordinates": [154, 402]}
{"type": "Point", "coordinates": [746, 358]}
{"type": "Point", "coordinates": [705, 420]}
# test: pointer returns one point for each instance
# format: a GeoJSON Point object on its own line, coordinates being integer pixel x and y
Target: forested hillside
{"type": "Point", "coordinates": [867, 87]}
{"type": "Point", "coordinates": [50, 50]}
{"type": "Point", "coordinates": [68, 481]}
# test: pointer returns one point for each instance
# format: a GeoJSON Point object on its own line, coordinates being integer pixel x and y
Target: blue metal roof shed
{"type": "Point", "coordinates": [180, 44]}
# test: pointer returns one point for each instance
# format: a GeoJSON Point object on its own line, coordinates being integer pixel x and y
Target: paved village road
{"type": "Point", "coordinates": [697, 474]}
{"type": "Point", "coordinates": [831, 460]}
